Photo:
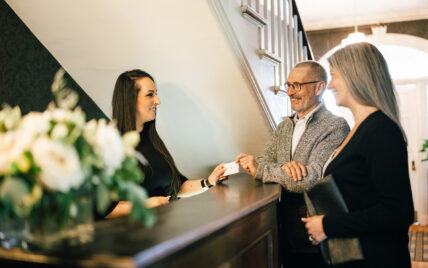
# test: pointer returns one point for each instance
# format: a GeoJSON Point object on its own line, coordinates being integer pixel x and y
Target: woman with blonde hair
{"type": "Point", "coordinates": [370, 167]}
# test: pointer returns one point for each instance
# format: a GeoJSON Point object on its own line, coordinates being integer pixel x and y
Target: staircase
{"type": "Point", "coordinates": [281, 41]}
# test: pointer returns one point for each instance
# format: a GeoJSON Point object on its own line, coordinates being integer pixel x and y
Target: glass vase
{"type": "Point", "coordinates": [61, 220]}
{"type": "Point", "coordinates": [13, 232]}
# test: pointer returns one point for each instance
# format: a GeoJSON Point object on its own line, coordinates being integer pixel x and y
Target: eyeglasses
{"type": "Point", "coordinates": [297, 86]}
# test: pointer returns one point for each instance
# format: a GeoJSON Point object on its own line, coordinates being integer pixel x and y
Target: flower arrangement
{"type": "Point", "coordinates": [49, 158]}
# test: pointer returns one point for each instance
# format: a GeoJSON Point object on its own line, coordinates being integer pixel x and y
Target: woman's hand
{"type": "Point", "coordinates": [157, 201]}
{"type": "Point", "coordinates": [217, 175]}
{"type": "Point", "coordinates": [315, 229]}
{"type": "Point", "coordinates": [122, 208]}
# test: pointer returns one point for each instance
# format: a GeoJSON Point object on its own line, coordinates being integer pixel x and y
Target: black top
{"type": "Point", "coordinates": [372, 174]}
{"type": "Point", "coordinates": [157, 177]}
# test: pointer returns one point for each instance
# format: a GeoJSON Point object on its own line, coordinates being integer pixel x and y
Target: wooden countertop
{"type": "Point", "coordinates": [122, 243]}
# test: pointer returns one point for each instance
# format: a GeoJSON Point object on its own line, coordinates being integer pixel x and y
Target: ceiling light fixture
{"type": "Point", "coordinates": [356, 36]}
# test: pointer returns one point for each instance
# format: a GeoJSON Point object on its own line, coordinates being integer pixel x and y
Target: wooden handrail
{"type": "Point", "coordinates": [300, 28]}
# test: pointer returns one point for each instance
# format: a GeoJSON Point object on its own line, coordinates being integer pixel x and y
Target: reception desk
{"type": "Point", "coordinates": [231, 225]}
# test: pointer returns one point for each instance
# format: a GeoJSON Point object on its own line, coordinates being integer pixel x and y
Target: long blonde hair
{"type": "Point", "coordinates": [366, 74]}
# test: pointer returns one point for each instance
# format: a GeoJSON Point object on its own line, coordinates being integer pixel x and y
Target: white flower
{"type": "Point", "coordinates": [10, 117]}
{"type": "Point", "coordinates": [59, 115]}
{"type": "Point", "coordinates": [59, 163]}
{"type": "Point", "coordinates": [90, 132]}
{"type": "Point", "coordinates": [13, 144]}
{"type": "Point", "coordinates": [60, 131]}
{"type": "Point", "coordinates": [58, 82]}
{"type": "Point", "coordinates": [130, 140]}
{"type": "Point", "coordinates": [35, 123]}
{"type": "Point", "coordinates": [78, 117]}
{"type": "Point", "coordinates": [67, 98]}
{"type": "Point", "coordinates": [107, 144]}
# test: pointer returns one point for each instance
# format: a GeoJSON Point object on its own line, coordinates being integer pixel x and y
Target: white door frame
{"type": "Point", "coordinates": [421, 198]}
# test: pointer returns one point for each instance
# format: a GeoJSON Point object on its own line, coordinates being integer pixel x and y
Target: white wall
{"type": "Point", "coordinates": [209, 111]}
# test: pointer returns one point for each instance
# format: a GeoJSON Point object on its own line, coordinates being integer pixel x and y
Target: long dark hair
{"type": "Point", "coordinates": [124, 106]}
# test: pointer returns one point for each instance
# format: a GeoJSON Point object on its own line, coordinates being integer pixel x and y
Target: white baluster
{"type": "Point", "coordinates": [261, 29]}
{"type": "Point", "coordinates": [273, 28]}
{"type": "Point", "coordinates": [281, 53]}
{"type": "Point", "coordinates": [285, 57]}
{"type": "Point", "coordinates": [266, 28]}
{"type": "Point", "coordinates": [305, 53]}
{"type": "Point", "coordinates": [295, 40]}
{"type": "Point", "coordinates": [300, 46]}
{"type": "Point", "coordinates": [290, 34]}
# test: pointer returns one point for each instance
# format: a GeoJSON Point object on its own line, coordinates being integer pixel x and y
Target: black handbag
{"type": "Point", "coordinates": [324, 198]}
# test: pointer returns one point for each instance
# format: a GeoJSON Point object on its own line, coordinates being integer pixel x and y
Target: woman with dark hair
{"type": "Point", "coordinates": [370, 167]}
{"type": "Point", "coordinates": [135, 101]}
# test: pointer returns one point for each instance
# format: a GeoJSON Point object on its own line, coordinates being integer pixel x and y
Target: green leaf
{"type": "Point", "coordinates": [138, 196]}
{"type": "Point", "coordinates": [147, 216]}
{"type": "Point", "coordinates": [424, 147]}
{"type": "Point", "coordinates": [130, 171]}
{"type": "Point", "coordinates": [107, 180]}
{"type": "Point", "coordinates": [12, 193]}
{"type": "Point", "coordinates": [103, 198]}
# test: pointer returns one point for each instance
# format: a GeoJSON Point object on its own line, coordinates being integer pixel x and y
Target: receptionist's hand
{"type": "Point", "coordinates": [121, 209]}
{"type": "Point", "coordinates": [217, 175]}
{"type": "Point", "coordinates": [157, 201]}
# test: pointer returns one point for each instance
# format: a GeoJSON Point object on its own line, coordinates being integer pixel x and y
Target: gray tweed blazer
{"type": "Point", "coordinates": [323, 134]}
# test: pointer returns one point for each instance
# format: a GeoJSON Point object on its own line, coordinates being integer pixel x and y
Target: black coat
{"type": "Point", "coordinates": [372, 174]}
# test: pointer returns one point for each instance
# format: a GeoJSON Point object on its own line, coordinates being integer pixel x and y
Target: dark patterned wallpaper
{"type": "Point", "coordinates": [27, 69]}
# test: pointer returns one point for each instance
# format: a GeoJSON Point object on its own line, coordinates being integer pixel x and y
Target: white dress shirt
{"type": "Point", "coordinates": [299, 128]}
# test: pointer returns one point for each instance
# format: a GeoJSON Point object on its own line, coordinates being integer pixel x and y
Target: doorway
{"type": "Point", "coordinates": [412, 97]}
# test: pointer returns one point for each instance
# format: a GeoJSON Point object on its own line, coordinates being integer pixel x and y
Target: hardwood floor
{"type": "Point", "coordinates": [417, 264]}
{"type": "Point", "coordinates": [418, 228]}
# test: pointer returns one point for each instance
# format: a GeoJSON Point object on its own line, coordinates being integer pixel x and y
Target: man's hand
{"type": "Point", "coordinates": [295, 170]}
{"type": "Point", "coordinates": [247, 162]}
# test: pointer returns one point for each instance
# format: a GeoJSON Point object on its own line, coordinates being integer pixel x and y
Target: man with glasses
{"type": "Point", "coordinates": [295, 156]}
